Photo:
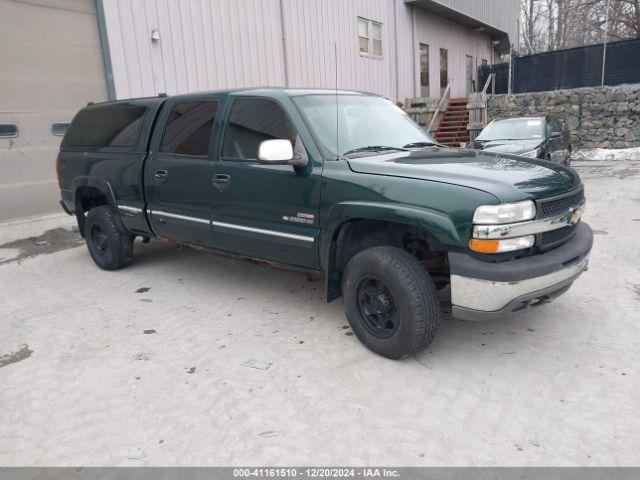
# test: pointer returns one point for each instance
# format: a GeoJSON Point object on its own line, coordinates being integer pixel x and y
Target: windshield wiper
{"type": "Point", "coordinates": [420, 145]}
{"type": "Point", "coordinates": [374, 148]}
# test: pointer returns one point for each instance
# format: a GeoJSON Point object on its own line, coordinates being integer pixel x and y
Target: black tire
{"type": "Point", "coordinates": [110, 246]}
{"type": "Point", "coordinates": [403, 288]}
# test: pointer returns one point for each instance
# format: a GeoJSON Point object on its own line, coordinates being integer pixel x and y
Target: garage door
{"type": "Point", "coordinates": [50, 66]}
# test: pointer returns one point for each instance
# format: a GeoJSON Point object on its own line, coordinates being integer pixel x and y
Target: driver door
{"type": "Point", "coordinates": [264, 211]}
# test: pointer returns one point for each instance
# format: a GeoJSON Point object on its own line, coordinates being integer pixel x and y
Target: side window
{"type": "Point", "coordinates": [251, 121]}
{"type": "Point", "coordinates": [549, 129]}
{"type": "Point", "coordinates": [189, 128]}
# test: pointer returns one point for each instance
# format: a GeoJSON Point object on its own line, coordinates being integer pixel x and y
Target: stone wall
{"type": "Point", "coordinates": [605, 117]}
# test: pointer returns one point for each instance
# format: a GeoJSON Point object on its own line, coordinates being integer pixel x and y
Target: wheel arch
{"type": "Point", "coordinates": [354, 226]}
{"type": "Point", "coordinates": [90, 192]}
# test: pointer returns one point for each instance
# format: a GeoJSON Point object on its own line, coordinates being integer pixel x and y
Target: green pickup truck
{"type": "Point", "coordinates": [337, 183]}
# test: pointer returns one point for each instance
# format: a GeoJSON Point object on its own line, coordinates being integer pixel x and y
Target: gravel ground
{"type": "Point", "coordinates": [187, 358]}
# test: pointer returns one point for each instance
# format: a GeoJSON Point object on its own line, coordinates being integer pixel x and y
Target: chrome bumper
{"type": "Point", "coordinates": [480, 290]}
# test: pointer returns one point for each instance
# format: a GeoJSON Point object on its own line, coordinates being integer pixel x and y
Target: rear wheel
{"type": "Point", "coordinates": [390, 301]}
{"type": "Point", "coordinates": [110, 246]}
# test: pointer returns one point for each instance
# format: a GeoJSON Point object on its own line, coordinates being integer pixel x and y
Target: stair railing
{"type": "Point", "coordinates": [477, 106]}
{"type": "Point", "coordinates": [439, 112]}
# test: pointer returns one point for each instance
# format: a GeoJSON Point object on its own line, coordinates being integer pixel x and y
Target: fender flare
{"type": "Point", "coordinates": [435, 223]}
{"type": "Point", "coordinates": [101, 185]}
{"type": "Point", "coordinates": [95, 182]}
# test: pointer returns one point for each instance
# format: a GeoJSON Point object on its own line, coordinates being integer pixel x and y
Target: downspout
{"type": "Point", "coordinates": [284, 46]}
{"type": "Point", "coordinates": [395, 39]}
{"type": "Point", "coordinates": [413, 46]}
{"type": "Point", "coordinates": [106, 54]}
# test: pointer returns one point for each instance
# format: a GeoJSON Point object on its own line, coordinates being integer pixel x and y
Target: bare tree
{"type": "Point", "coordinates": [556, 24]}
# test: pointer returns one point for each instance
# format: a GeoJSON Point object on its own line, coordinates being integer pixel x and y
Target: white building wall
{"type": "Point", "coordinates": [319, 33]}
{"type": "Point", "coordinates": [458, 41]}
{"type": "Point", "coordinates": [203, 45]}
{"type": "Point", "coordinates": [502, 14]}
{"type": "Point", "coordinates": [217, 44]}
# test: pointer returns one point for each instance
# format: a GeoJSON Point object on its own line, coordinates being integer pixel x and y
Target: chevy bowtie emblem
{"type": "Point", "coordinates": [576, 214]}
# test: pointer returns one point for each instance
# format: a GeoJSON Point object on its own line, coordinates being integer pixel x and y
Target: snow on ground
{"type": "Point", "coordinates": [607, 154]}
{"type": "Point", "coordinates": [600, 162]}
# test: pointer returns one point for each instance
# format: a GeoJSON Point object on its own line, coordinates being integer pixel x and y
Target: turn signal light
{"type": "Point", "coordinates": [484, 246]}
{"type": "Point", "coordinates": [503, 245]}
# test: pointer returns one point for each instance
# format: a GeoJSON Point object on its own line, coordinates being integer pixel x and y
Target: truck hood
{"type": "Point", "coordinates": [509, 146]}
{"type": "Point", "coordinates": [509, 178]}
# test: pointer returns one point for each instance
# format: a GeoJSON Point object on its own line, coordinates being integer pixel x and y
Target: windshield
{"type": "Point", "coordinates": [363, 121]}
{"type": "Point", "coordinates": [513, 129]}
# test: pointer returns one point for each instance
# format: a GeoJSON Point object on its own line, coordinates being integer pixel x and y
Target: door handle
{"type": "Point", "coordinates": [221, 180]}
{"type": "Point", "coordinates": [161, 175]}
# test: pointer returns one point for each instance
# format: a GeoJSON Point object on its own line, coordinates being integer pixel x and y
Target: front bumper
{"type": "Point", "coordinates": [483, 290]}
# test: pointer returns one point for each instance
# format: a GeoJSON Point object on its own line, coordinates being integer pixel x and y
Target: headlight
{"type": "Point", "coordinates": [533, 153]}
{"type": "Point", "coordinates": [505, 213]}
{"type": "Point", "coordinates": [504, 245]}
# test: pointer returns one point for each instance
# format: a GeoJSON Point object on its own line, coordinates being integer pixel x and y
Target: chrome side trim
{"type": "Point", "coordinates": [490, 296]}
{"type": "Point", "coordinates": [532, 227]}
{"type": "Point", "coordinates": [179, 217]}
{"type": "Point", "coordinates": [274, 233]}
{"type": "Point", "coordinates": [127, 208]}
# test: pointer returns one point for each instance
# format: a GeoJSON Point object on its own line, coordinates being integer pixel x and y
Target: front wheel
{"type": "Point", "coordinates": [390, 301]}
{"type": "Point", "coordinates": [110, 246]}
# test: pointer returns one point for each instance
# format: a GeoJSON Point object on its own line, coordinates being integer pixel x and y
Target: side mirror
{"type": "Point", "coordinates": [275, 152]}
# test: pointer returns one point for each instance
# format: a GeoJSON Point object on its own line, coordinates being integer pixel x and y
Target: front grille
{"type": "Point", "coordinates": [553, 238]}
{"type": "Point", "coordinates": [558, 205]}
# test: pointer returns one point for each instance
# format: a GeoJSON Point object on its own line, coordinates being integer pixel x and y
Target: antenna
{"type": "Point", "coordinates": [335, 58]}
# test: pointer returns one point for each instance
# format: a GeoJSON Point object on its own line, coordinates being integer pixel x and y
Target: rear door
{"type": "Point", "coordinates": [265, 211]}
{"type": "Point", "coordinates": [177, 175]}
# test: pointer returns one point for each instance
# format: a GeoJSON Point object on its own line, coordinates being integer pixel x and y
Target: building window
{"type": "Point", "coordinates": [59, 129]}
{"type": "Point", "coordinates": [8, 130]}
{"type": "Point", "coordinates": [469, 74]}
{"type": "Point", "coordinates": [369, 37]}
{"type": "Point", "coordinates": [376, 42]}
{"type": "Point", "coordinates": [189, 128]}
{"type": "Point", "coordinates": [424, 70]}
{"type": "Point", "coordinates": [363, 35]}
{"type": "Point", "coordinates": [444, 70]}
